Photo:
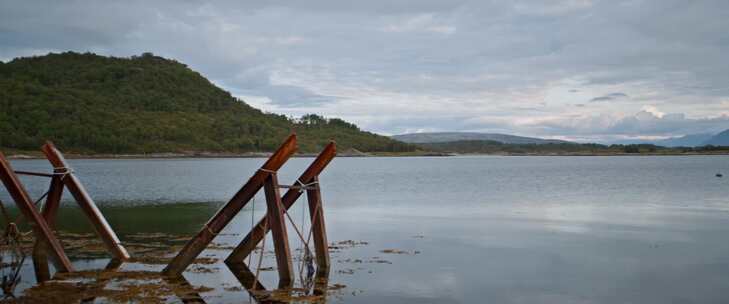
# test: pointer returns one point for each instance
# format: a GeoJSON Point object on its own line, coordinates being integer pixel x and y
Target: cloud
{"type": "Point", "coordinates": [513, 66]}
{"type": "Point", "coordinates": [609, 97]}
{"type": "Point", "coordinates": [423, 22]}
{"type": "Point", "coordinates": [647, 122]}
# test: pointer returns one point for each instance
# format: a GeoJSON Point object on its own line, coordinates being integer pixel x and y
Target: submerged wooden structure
{"type": "Point", "coordinates": [48, 247]}
{"type": "Point", "coordinates": [43, 221]}
{"type": "Point", "coordinates": [266, 177]}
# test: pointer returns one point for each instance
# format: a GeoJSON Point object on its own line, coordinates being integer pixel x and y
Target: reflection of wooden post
{"type": "Point", "coordinates": [53, 202]}
{"type": "Point", "coordinates": [197, 244]}
{"type": "Point", "coordinates": [40, 228]}
{"type": "Point", "coordinates": [184, 290]}
{"type": "Point", "coordinates": [319, 232]}
{"type": "Point", "coordinates": [245, 276]}
{"type": "Point", "coordinates": [111, 241]}
{"type": "Point", "coordinates": [247, 279]}
{"type": "Point", "coordinates": [278, 228]}
{"type": "Point", "coordinates": [251, 240]}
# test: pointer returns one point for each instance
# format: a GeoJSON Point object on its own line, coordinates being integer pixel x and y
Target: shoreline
{"type": "Point", "coordinates": [35, 155]}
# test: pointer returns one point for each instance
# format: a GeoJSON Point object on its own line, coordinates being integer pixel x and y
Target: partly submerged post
{"type": "Point", "coordinates": [316, 212]}
{"type": "Point", "coordinates": [111, 241]}
{"type": "Point", "coordinates": [53, 202]}
{"type": "Point", "coordinates": [44, 221]}
{"type": "Point", "coordinates": [276, 220]}
{"type": "Point", "coordinates": [266, 177]}
{"type": "Point", "coordinates": [41, 228]}
{"type": "Point", "coordinates": [197, 244]}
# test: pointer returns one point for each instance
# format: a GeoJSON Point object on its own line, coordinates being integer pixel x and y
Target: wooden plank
{"type": "Point", "coordinates": [40, 228]}
{"type": "Point", "coordinates": [319, 232]}
{"type": "Point", "coordinates": [102, 227]}
{"type": "Point", "coordinates": [278, 230]}
{"type": "Point", "coordinates": [53, 202]}
{"type": "Point", "coordinates": [197, 244]}
{"type": "Point", "coordinates": [251, 240]}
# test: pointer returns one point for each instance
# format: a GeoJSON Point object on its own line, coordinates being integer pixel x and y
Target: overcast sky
{"type": "Point", "coordinates": [574, 69]}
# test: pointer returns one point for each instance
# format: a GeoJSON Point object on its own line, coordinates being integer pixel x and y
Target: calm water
{"type": "Point", "coordinates": [488, 229]}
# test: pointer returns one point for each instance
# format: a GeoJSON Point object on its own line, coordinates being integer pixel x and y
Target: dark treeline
{"type": "Point", "coordinates": [87, 103]}
{"type": "Point", "coordinates": [494, 147]}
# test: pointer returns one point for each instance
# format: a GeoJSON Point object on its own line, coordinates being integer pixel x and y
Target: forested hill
{"type": "Point", "coordinates": [88, 103]}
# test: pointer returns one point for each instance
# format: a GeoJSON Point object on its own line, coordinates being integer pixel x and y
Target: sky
{"type": "Point", "coordinates": [580, 70]}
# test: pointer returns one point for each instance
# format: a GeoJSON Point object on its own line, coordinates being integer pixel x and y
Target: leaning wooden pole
{"type": "Point", "coordinates": [40, 228]}
{"type": "Point", "coordinates": [102, 227]}
{"type": "Point", "coordinates": [251, 240]}
{"type": "Point", "coordinates": [197, 244]}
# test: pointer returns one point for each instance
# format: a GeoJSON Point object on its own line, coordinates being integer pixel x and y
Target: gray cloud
{"type": "Point", "coordinates": [643, 123]}
{"type": "Point", "coordinates": [421, 65]}
{"type": "Point", "coordinates": [609, 97]}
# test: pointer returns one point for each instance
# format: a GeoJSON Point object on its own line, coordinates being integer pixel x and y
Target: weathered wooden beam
{"type": "Point", "coordinates": [50, 209]}
{"type": "Point", "coordinates": [216, 224]}
{"type": "Point", "coordinates": [318, 228]}
{"type": "Point", "coordinates": [40, 228]}
{"type": "Point", "coordinates": [251, 240]}
{"type": "Point", "coordinates": [278, 229]}
{"type": "Point", "coordinates": [102, 227]}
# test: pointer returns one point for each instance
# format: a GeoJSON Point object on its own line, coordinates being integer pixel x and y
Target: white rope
{"type": "Point", "coordinates": [62, 171]}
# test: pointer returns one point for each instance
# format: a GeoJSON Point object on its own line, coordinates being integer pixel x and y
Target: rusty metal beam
{"type": "Point", "coordinates": [278, 229]}
{"type": "Point", "coordinates": [197, 244]}
{"type": "Point", "coordinates": [40, 228]}
{"type": "Point", "coordinates": [251, 240]}
{"type": "Point", "coordinates": [318, 229]}
{"type": "Point", "coordinates": [102, 227]}
{"type": "Point", "coordinates": [50, 209]}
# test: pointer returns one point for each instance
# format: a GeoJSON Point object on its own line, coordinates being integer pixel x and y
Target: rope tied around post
{"type": "Point", "coordinates": [310, 186]}
{"type": "Point", "coordinates": [62, 171]}
{"type": "Point", "coordinates": [267, 170]}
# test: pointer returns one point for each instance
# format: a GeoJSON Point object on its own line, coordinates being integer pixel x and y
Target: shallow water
{"type": "Point", "coordinates": [643, 229]}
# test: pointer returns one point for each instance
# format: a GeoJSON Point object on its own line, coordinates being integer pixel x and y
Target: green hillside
{"type": "Point", "coordinates": [88, 103]}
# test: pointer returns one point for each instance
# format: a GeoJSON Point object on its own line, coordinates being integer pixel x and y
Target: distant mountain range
{"type": "Point", "coordinates": [691, 140]}
{"type": "Point", "coordinates": [442, 137]}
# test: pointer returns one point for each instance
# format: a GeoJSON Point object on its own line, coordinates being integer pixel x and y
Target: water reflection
{"type": "Point", "coordinates": [510, 230]}
{"type": "Point", "coordinates": [313, 289]}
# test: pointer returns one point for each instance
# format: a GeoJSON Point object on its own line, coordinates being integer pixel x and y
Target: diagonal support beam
{"type": "Point", "coordinates": [197, 244]}
{"type": "Point", "coordinates": [102, 227]}
{"type": "Point", "coordinates": [40, 228]}
{"type": "Point", "coordinates": [278, 228]}
{"type": "Point", "coordinates": [256, 234]}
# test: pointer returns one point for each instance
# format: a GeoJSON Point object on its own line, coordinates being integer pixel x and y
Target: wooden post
{"type": "Point", "coordinates": [53, 202]}
{"type": "Point", "coordinates": [251, 240]}
{"type": "Point", "coordinates": [40, 228]}
{"type": "Point", "coordinates": [111, 241]}
{"type": "Point", "coordinates": [278, 228]}
{"type": "Point", "coordinates": [197, 244]}
{"type": "Point", "coordinates": [319, 232]}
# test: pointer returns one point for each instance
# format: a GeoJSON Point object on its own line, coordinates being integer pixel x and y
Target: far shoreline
{"type": "Point", "coordinates": [201, 155]}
